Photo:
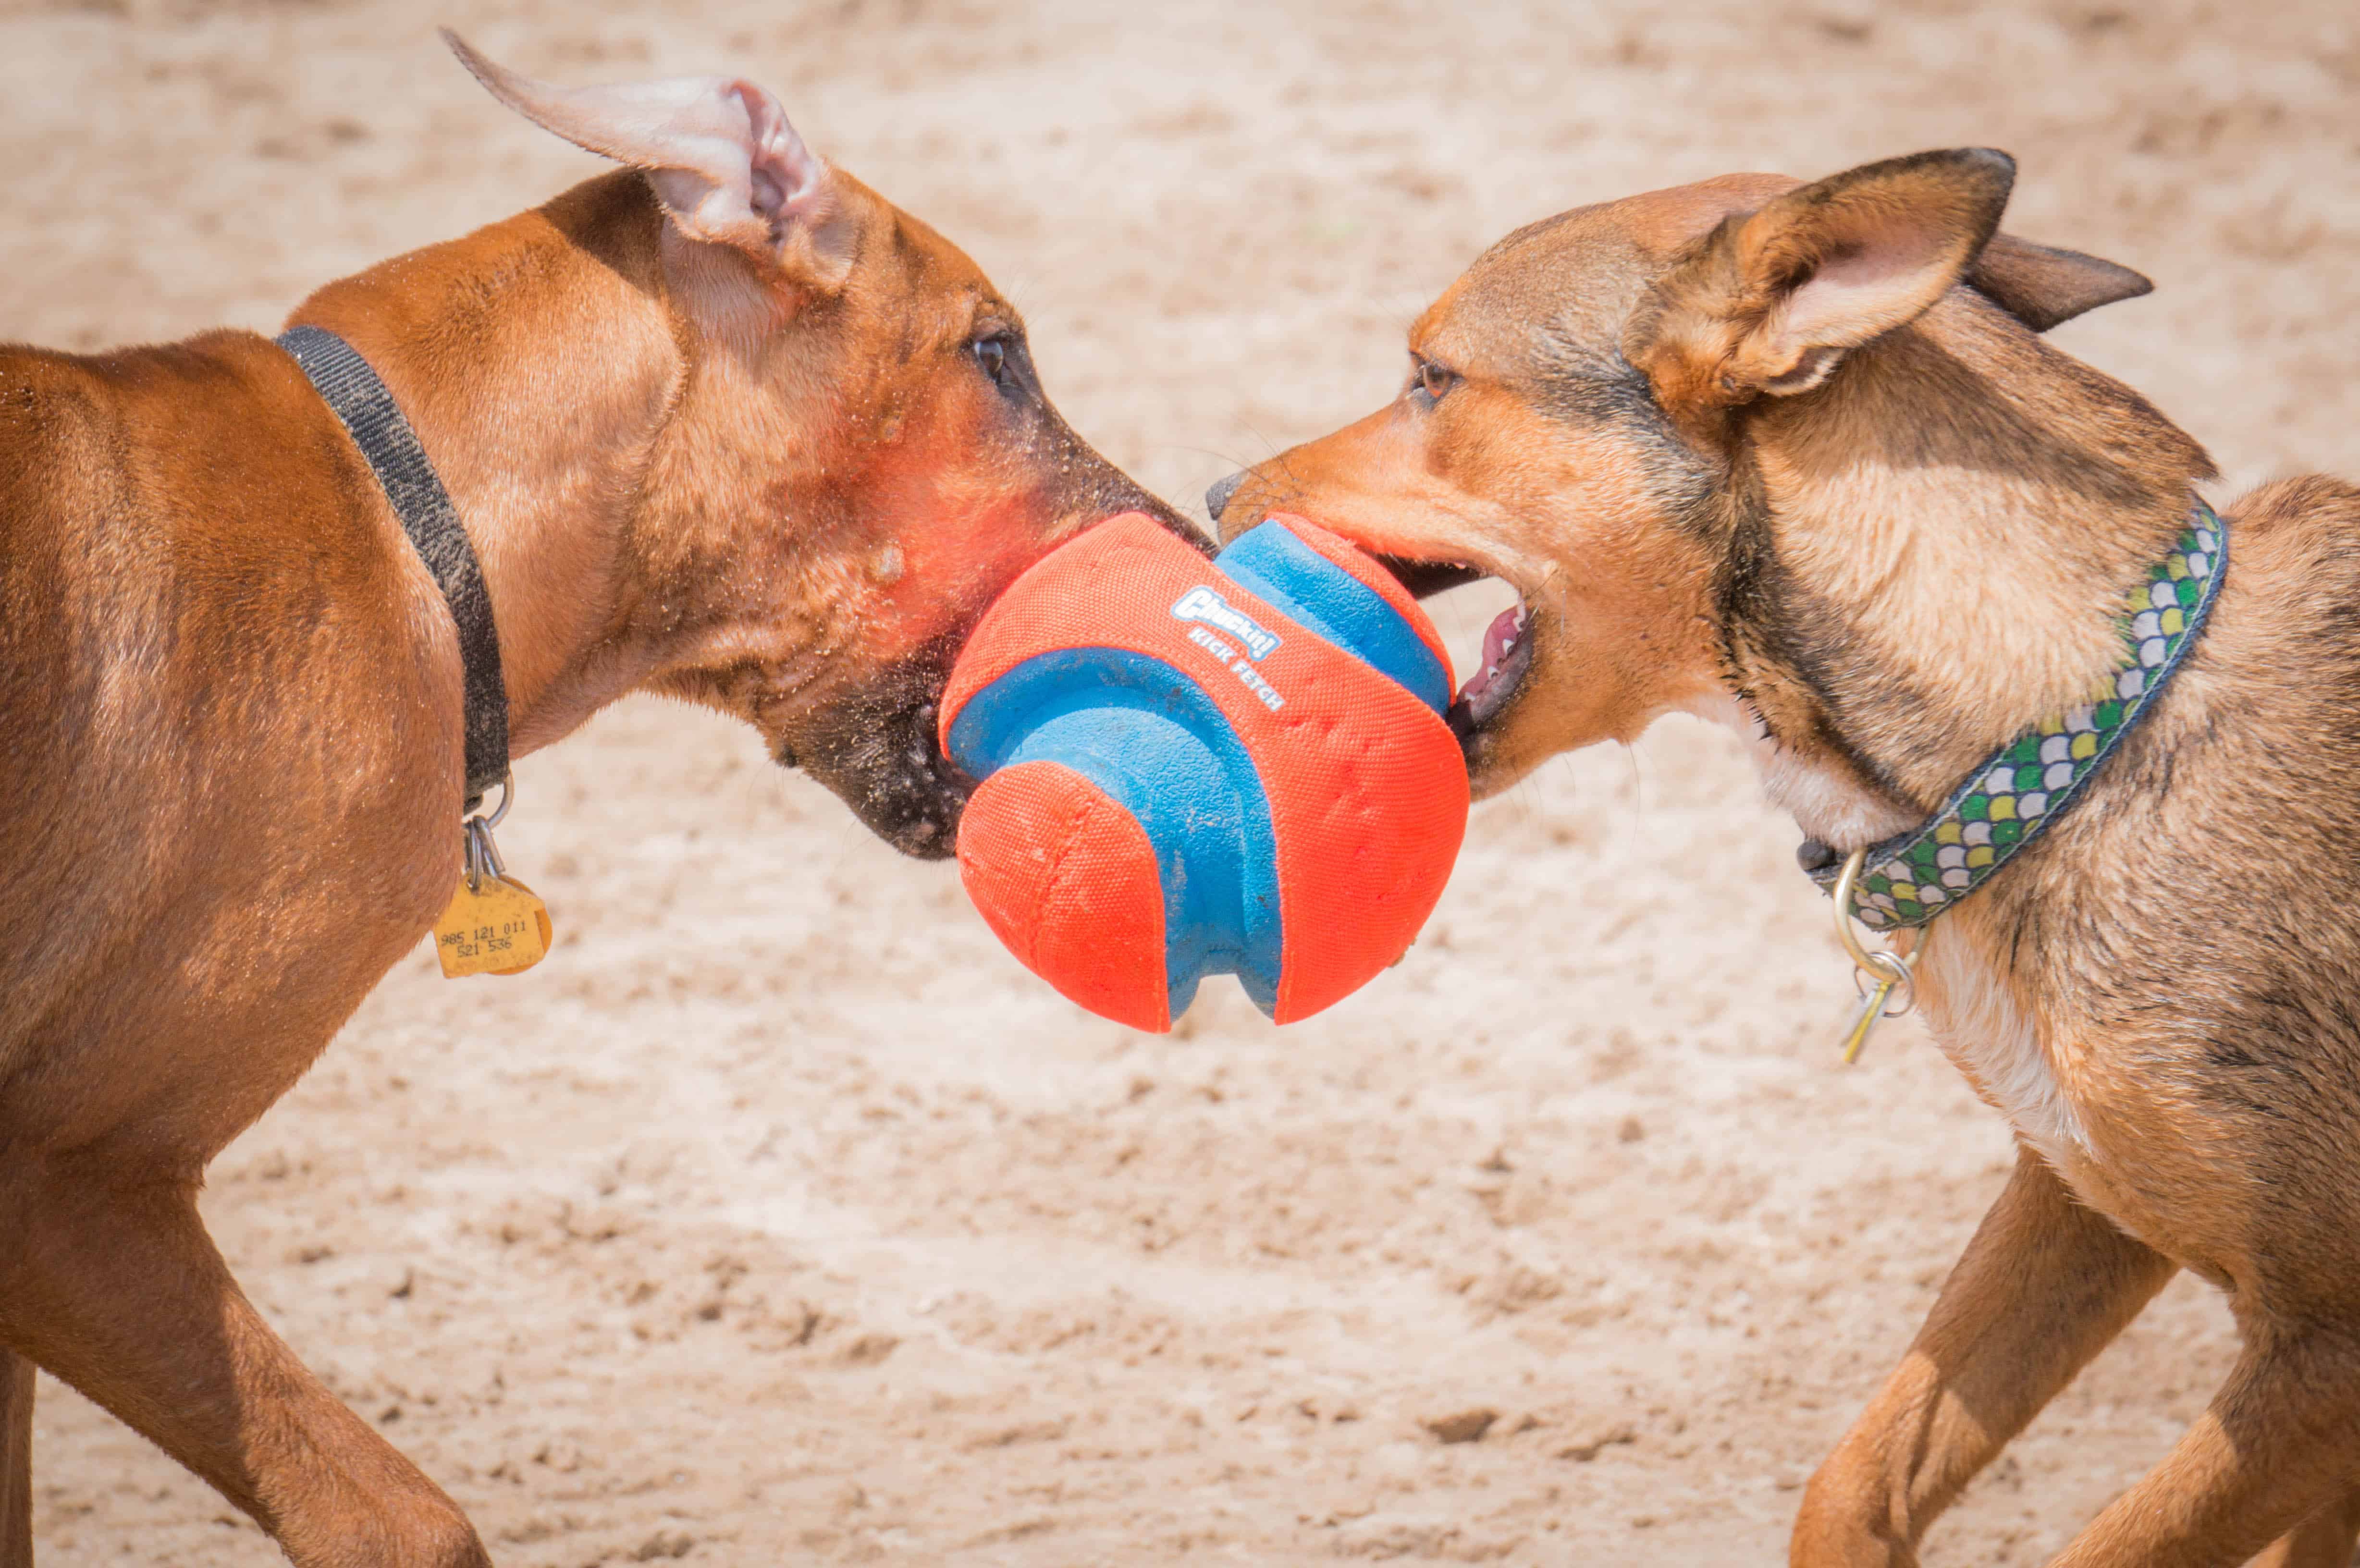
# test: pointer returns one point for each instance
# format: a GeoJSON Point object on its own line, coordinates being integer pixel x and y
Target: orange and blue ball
{"type": "Point", "coordinates": [1192, 767]}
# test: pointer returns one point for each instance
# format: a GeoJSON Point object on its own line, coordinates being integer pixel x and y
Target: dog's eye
{"type": "Point", "coordinates": [992, 355]}
{"type": "Point", "coordinates": [1429, 382]}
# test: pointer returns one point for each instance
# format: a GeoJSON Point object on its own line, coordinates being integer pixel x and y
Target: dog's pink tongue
{"type": "Point", "coordinates": [1499, 638]}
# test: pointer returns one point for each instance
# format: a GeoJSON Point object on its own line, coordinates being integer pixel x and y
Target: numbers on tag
{"type": "Point", "coordinates": [497, 927]}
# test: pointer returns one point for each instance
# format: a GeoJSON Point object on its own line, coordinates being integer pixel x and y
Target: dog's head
{"type": "Point", "coordinates": [854, 455]}
{"type": "Point", "coordinates": [1578, 420]}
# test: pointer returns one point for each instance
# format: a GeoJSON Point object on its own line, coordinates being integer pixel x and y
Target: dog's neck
{"type": "Point", "coordinates": [1927, 555]}
{"type": "Point", "coordinates": [539, 360]}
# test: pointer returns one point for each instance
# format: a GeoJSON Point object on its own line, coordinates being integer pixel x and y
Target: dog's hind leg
{"type": "Point", "coordinates": [121, 1294]}
{"type": "Point", "coordinates": [2328, 1539]}
{"type": "Point", "coordinates": [16, 1460]}
{"type": "Point", "coordinates": [2281, 1440]}
{"type": "Point", "coordinates": [2041, 1289]}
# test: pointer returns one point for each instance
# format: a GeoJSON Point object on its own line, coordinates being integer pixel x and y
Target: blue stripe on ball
{"type": "Point", "coordinates": [1270, 563]}
{"type": "Point", "coordinates": [1146, 734]}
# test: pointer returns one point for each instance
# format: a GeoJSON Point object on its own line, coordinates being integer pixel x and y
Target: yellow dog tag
{"type": "Point", "coordinates": [497, 927]}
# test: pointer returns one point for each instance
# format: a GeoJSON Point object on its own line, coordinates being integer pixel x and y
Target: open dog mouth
{"type": "Point", "coordinates": [1507, 655]}
{"type": "Point", "coordinates": [1507, 658]}
{"type": "Point", "coordinates": [1425, 578]}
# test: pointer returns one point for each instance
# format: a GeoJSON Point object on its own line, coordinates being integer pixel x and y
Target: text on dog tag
{"type": "Point", "coordinates": [499, 927]}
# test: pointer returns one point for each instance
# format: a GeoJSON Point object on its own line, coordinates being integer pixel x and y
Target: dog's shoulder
{"type": "Point", "coordinates": [78, 427]}
{"type": "Point", "coordinates": [2317, 502]}
{"type": "Point", "coordinates": [53, 418]}
{"type": "Point", "coordinates": [213, 442]}
{"type": "Point", "coordinates": [2294, 574]}
{"type": "Point", "coordinates": [182, 507]}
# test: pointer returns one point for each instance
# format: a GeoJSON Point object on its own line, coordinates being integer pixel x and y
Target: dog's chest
{"type": "Point", "coordinates": [1975, 1017]}
{"type": "Point", "coordinates": [1993, 1038]}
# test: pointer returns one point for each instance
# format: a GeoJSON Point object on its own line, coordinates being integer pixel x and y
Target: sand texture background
{"type": "Point", "coordinates": [781, 1217]}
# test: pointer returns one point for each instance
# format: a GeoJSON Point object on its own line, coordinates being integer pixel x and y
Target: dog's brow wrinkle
{"type": "Point", "coordinates": [1581, 383]}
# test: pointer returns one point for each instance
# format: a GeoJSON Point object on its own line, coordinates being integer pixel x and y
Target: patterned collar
{"type": "Point", "coordinates": [1915, 876]}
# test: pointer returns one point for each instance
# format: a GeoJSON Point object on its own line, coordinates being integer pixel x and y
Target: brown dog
{"type": "Point", "coordinates": [1794, 459]}
{"type": "Point", "coordinates": [726, 425]}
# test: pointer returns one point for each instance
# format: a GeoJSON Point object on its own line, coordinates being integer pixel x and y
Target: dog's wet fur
{"type": "Point", "coordinates": [724, 425]}
{"type": "Point", "coordinates": [1794, 457]}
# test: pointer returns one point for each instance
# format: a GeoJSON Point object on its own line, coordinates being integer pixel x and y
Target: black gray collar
{"type": "Point", "coordinates": [368, 412]}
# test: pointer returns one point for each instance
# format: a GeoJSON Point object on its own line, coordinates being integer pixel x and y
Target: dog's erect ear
{"type": "Point", "coordinates": [2042, 286]}
{"type": "Point", "coordinates": [723, 161]}
{"type": "Point", "coordinates": [1771, 299]}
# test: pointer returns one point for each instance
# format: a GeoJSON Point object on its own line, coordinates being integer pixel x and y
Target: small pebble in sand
{"type": "Point", "coordinates": [1465, 1426]}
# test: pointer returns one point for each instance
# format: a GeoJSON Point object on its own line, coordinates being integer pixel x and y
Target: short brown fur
{"type": "Point", "coordinates": [1794, 458]}
{"type": "Point", "coordinates": [230, 791]}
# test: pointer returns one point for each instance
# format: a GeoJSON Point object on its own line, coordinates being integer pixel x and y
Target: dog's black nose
{"type": "Point", "coordinates": [1813, 855]}
{"type": "Point", "coordinates": [1217, 495]}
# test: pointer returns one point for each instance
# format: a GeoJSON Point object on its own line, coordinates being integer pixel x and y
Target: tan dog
{"type": "Point", "coordinates": [1794, 458]}
{"type": "Point", "coordinates": [733, 428]}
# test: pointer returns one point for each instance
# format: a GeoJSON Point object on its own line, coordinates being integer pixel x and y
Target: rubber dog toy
{"type": "Point", "coordinates": [1191, 766]}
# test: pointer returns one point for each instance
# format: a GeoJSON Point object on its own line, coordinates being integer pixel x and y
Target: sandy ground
{"type": "Point", "coordinates": [835, 1238]}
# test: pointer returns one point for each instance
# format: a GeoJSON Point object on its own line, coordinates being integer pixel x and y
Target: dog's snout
{"type": "Point", "coordinates": [1217, 494]}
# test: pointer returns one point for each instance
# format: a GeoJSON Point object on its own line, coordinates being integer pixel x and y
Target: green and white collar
{"type": "Point", "coordinates": [1912, 877]}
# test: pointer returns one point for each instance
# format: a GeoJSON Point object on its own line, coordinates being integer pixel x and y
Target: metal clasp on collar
{"type": "Point", "coordinates": [1879, 972]}
{"type": "Point", "coordinates": [483, 854]}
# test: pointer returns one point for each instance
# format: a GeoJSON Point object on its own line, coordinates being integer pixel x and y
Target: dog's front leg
{"type": "Point", "coordinates": [16, 1460]}
{"type": "Point", "coordinates": [2043, 1286]}
{"type": "Point", "coordinates": [121, 1293]}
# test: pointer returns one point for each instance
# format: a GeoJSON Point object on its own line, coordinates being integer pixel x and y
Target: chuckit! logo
{"type": "Point", "coordinates": [1202, 603]}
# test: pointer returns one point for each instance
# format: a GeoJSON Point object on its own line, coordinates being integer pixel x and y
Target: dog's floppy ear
{"type": "Point", "coordinates": [2042, 286]}
{"type": "Point", "coordinates": [723, 161]}
{"type": "Point", "coordinates": [1770, 300]}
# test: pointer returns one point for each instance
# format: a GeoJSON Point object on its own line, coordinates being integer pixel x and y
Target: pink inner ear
{"type": "Point", "coordinates": [786, 174]}
{"type": "Point", "coordinates": [1871, 280]}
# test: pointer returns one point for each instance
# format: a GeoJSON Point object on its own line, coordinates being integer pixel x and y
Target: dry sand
{"type": "Point", "coordinates": [831, 1236]}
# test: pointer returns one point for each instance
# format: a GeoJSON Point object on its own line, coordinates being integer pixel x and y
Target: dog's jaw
{"type": "Point", "coordinates": [1826, 801]}
{"type": "Point", "coordinates": [879, 753]}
